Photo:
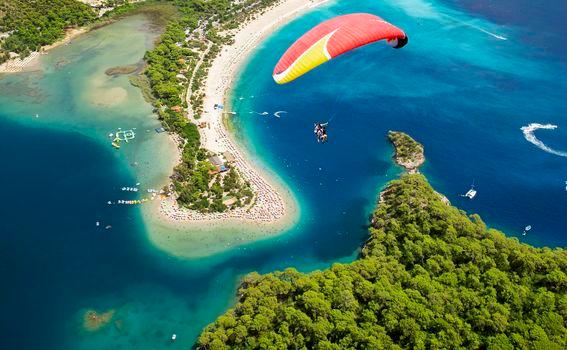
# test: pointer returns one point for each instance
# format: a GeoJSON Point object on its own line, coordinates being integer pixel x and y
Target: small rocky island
{"type": "Point", "coordinates": [409, 152]}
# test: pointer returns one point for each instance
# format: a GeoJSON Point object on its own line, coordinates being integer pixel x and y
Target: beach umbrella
{"type": "Point", "coordinates": [331, 39]}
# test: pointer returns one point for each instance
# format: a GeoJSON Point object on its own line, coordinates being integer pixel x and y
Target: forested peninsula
{"type": "Point", "coordinates": [429, 277]}
{"type": "Point", "coordinates": [175, 76]}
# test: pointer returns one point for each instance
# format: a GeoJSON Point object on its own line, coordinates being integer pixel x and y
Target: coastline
{"type": "Point", "coordinates": [31, 62]}
{"type": "Point", "coordinates": [275, 208]}
{"type": "Point", "coordinates": [18, 65]}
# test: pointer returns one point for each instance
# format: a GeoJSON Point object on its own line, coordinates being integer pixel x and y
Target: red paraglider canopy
{"type": "Point", "coordinates": [333, 38]}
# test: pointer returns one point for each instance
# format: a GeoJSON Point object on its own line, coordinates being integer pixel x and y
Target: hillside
{"type": "Point", "coordinates": [429, 277]}
{"type": "Point", "coordinates": [25, 26]}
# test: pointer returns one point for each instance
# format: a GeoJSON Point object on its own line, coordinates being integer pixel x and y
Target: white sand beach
{"type": "Point", "coordinates": [275, 208]}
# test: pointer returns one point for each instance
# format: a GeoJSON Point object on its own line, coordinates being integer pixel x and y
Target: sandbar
{"type": "Point", "coordinates": [189, 233]}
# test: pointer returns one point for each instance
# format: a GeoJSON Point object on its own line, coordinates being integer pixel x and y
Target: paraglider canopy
{"type": "Point", "coordinates": [333, 38]}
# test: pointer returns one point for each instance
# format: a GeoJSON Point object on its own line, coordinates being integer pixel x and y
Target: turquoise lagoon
{"type": "Point", "coordinates": [469, 79]}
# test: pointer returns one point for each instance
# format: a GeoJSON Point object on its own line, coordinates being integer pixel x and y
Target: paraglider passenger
{"type": "Point", "coordinates": [321, 132]}
{"type": "Point", "coordinates": [317, 128]}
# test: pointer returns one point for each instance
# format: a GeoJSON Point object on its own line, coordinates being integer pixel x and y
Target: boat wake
{"type": "Point", "coordinates": [277, 114]}
{"type": "Point", "coordinates": [529, 135]}
{"type": "Point", "coordinates": [480, 29]}
{"type": "Point", "coordinates": [475, 27]}
{"type": "Point", "coordinates": [258, 113]}
{"type": "Point", "coordinates": [497, 36]}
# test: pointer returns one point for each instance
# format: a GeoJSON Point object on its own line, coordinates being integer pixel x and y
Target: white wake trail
{"type": "Point", "coordinates": [475, 27]}
{"type": "Point", "coordinates": [529, 135]}
{"type": "Point", "coordinates": [258, 113]}
{"type": "Point", "coordinates": [497, 36]}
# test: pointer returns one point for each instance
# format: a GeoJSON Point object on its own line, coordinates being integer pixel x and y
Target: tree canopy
{"type": "Point", "coordinates": [409, 153]}
{"type": "Point", "coordinates": [178, 66]}
{"type": "Point", "coordinates": [36, 23]}
{"type": "Point", "coordinates": [429, 277]}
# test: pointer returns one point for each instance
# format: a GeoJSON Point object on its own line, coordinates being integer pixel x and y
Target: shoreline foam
{"type": "Point", "coordinates": [276, 209]}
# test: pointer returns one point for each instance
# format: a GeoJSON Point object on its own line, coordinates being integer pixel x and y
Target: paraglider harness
{"type": "Point", "coordinates": [321, 132]}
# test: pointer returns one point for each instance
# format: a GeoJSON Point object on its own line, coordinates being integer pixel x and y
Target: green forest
{"type": "Point", "coordinates": [407, 149]}
{"type": "Point", "coordinates": [36, 23]}
{"type": "Point", "coordinates": [429, 277]}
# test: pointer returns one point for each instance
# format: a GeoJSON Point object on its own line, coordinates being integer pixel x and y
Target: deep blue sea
{"type": "Point", "coordinates": [473, 74]}
{"type": "Point", "coordinates": [464, 86]}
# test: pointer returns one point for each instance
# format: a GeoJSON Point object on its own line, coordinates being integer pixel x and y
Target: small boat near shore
{"type": "Point", "coordinates": [470, 193]}
{"type": "Point", "coordinates": [130, 189]}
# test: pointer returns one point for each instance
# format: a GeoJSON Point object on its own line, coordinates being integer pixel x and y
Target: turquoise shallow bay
{"type": "Point", "coordinates": [456, 88]}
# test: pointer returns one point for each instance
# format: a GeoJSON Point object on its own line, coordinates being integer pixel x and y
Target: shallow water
{"type": "Point", "coordinates": [458, 89]}
{"type": "Point", "coordinates": [72, 93]}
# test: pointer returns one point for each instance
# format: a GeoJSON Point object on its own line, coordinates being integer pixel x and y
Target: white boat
{"type": "Point", "coordinates": [529, 227]}
{"type": "Point", "coordinates": [173, 336]}
{"type": "Point", "coordinates": [470, 193]}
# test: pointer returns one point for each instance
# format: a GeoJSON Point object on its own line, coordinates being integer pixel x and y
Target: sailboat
{"type": "Point", "coordinates": [470, 193]}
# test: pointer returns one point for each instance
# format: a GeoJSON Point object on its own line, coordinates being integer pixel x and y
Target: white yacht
{"type": "Point", "coordinates": [470, 193]}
